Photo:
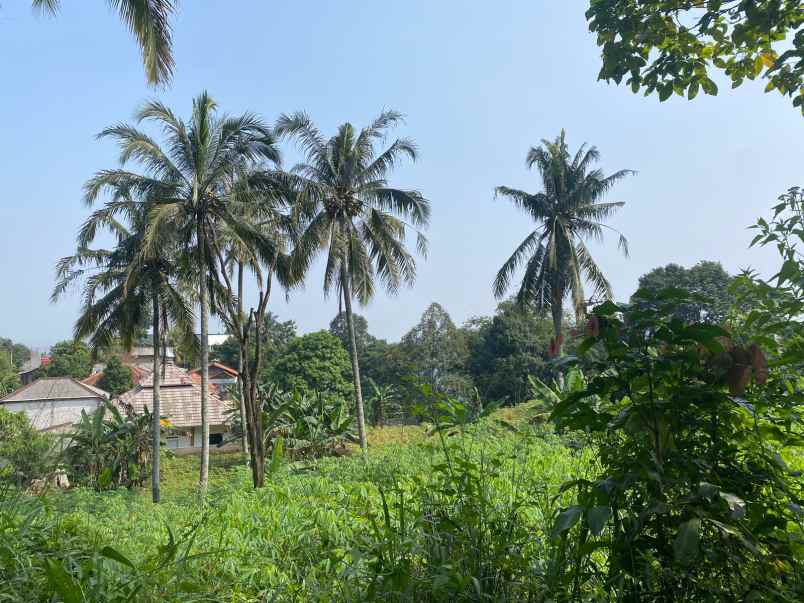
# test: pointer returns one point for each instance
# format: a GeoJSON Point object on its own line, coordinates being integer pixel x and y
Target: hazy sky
{"type": "Point", "coordinates": [479, 82]}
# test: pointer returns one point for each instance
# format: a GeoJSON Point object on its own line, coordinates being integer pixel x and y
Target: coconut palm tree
{"type": "Point", "coordinates": [567, 212]}
{"type": "Point", "coordinates": [185, 180]}
{"type": "Point", "coordinates": [123, 288]}
{"type": "Point", "coordinates": [351, 213]}
{"type": "Point", "coordinates": [149, 21]}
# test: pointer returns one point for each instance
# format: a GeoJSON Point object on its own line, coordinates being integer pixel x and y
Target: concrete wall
{"type": "Point", "coordinates": [52, 413]}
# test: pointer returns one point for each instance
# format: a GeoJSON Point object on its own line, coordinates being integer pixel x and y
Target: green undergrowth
{"type": "Point", "coordinates": [417, 518]}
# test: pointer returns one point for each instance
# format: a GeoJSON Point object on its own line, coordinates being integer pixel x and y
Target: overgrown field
{"type": "Point", "coordinates": [420, 518]}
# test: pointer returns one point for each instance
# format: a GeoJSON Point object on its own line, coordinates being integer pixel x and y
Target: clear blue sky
{"type": "Point", "coordinates": [480, 82]}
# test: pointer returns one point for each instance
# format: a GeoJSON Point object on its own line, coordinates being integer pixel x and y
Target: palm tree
{"type": "Point", "coordinates": [185, 181]}
{"type": "Point", "coordinates": [125, 286]}
{"type": "Point", "coordinates": [149, 21]}
{"type": "Point", "coordinates": [568, 211]}
{"type": "Point", "coordinates": [351, 212]}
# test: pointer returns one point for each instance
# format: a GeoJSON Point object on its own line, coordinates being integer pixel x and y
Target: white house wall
{"type": "Point", "coordinates": [52, 413]}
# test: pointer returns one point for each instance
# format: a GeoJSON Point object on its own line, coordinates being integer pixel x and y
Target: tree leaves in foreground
{"type": "Point", "coordinates": [674, 46]}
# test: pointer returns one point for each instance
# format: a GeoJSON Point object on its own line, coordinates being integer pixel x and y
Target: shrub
{"type": "Point", "coordinates": [25, 453]}
{"type": "Point", "coordinates": [693, 502]}
{"type": "Point", "coordinates": [108, 450]}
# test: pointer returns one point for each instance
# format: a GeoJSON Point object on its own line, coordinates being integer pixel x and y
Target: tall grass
{"type": "Point", "coordinates": [411, 521]}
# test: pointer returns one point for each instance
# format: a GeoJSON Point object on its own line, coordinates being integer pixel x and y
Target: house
{"type": "Point", "coordinates": [180, 405]}
{"type": "Point", "coordinates": [219, 374]}
{"type": "Point", "coordinates": [55, 403]}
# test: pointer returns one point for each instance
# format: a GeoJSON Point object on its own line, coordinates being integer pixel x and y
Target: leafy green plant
{"type": "Point", "coordinates": [107, 453]}
{"type": "Point", "coordinates": [383, 404]}
{"type": "Point", "coordinates": [25, 453]}
{"type": "Point", "coordinates": [693, 501]}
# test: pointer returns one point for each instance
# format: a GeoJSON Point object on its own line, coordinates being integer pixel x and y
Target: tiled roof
{"type": "Point", "coordinates": [217, 365]}
{"type": "Point", "coordinates": [180, 398]}
{"type": "Point", "coordinates": [55, 388]}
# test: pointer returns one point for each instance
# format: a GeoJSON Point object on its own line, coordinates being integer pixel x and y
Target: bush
{"type": "Point", "coordinates": [25, 453]}
{"type": "Point", "coordinates": [693, 501]}
{"type": "Point", "coordinates": [109, 450]}
{"type": "Point", "coordinates": [117, 378]}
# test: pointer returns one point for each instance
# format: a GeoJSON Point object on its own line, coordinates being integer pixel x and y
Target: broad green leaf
{"type": "Point", "coordinates": [276, 455]}
{"type": "Point", "coordinates": [567, 519]}
{"type": "Point", "coordinates": [685, 545]}
{"type": "Point", "coordinates": [736, 505]}
{"type": "Point", "coordinates": [63, 583]}
{"type": "Point", "coordinates": [597, 517]}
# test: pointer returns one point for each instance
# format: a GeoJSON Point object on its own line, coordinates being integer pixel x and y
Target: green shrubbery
{"type": "Point", "coordinates": [25, 453]}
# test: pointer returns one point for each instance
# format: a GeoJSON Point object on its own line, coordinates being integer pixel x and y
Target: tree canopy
{"type": "Point", "coordinates": [340, 329]}
{"type": "Point", "coordinates": [508, 348]}
{"type": "Point", "coordinates": [315, 362]}
{"type": "Point", "coordinates": [567, 212]}
{"type": "Point", "coordinates": [69, 359]}
{"type": "Point", "coordinates": [149, 21]}
{"type": "Point", "coordinates": [707, 281]}
{"type": "Point", "coordinates": [435, 347]}
{"type": "Point", "coordinates": [674, 46]}
{"type": "Point", "coordinates": [117, 378]}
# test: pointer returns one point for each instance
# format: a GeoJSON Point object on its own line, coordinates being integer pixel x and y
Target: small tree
{"type": "Point", "coordinates": [69, 359]}
{"type": "Point", "coordinates": [314, 363]}
{"type": "Point", "coordinates": [117, 378]}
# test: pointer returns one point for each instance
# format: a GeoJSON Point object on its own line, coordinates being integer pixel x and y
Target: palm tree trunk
{"type": "Point", "coordinates": [557, 309]}
{"type": "Point", "coordinates": [361, 421]}
{"type": "Point", "coordinates": [241, 363]}
{"type": "Point", "coordinates": [202, 294]}
{"type": "Point", "coordinates": [156, 410]}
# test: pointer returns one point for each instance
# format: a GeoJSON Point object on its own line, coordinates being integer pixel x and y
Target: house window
{"type": "Point", "coordinates": [172, 442]}
{"type": "Point", "coordinates": [215, 439]}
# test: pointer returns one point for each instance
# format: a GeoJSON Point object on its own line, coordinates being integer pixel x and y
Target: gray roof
{"type": "Point", "coordinates": [55, 388]}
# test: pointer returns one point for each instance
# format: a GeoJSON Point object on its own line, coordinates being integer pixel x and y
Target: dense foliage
{"type": "Point", "coordinates": [314, 363]}
{"type": "Point", "coordinates": [25, 453]}
{"type": "Point", "coordinates": [507, 349]}
{"type": "Point", "coordinates": [411, 521]}
{"type": "Point", "coordinates": [69, 359]}
{"type": "Point", "coordinates": [109, 449]}
{"type": "Point", "coordinates": [707, 283]}
{"type": "Point", "coordinates": [16, 354]}
{"type": "Point", "coordinates": [117, 378]}
{"type": "Point", "coordinates": [667, 46]}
